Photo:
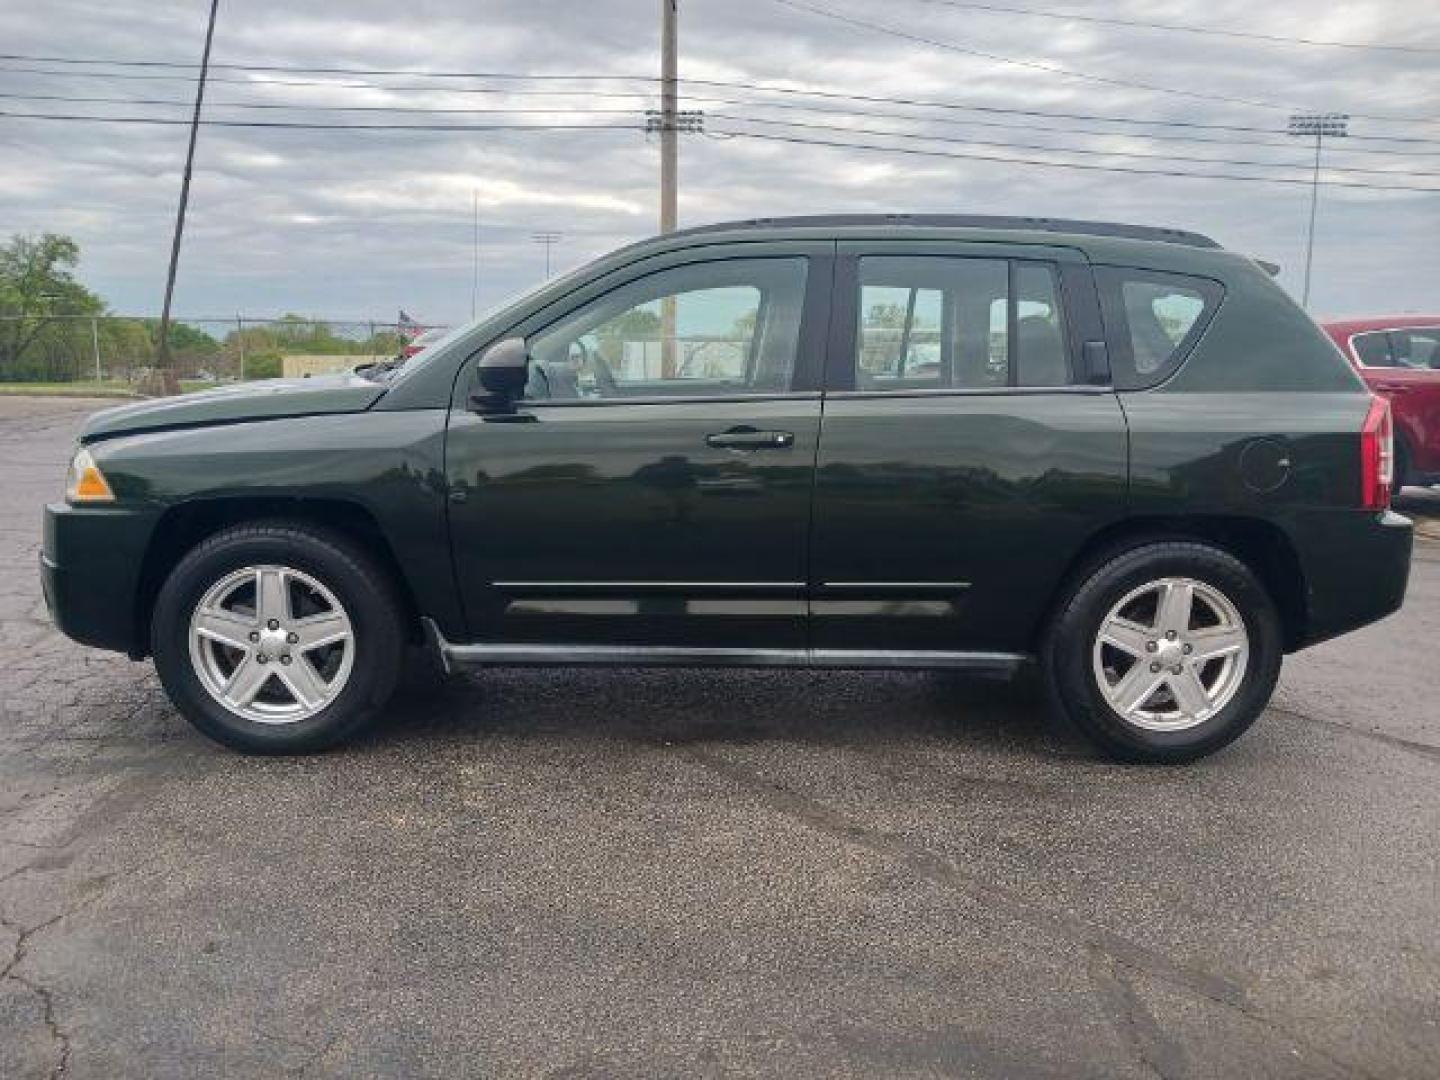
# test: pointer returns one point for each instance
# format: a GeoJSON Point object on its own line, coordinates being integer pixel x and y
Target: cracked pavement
{"type": "Point", "coordinates": [655, 873]}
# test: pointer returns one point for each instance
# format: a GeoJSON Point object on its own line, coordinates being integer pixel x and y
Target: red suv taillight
{"type": "Point", "coordinates": [1377, 456]}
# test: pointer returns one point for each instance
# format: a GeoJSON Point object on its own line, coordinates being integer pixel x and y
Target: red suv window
{"type": "Point", "coordinates": [1373, 349]}
{"type": "Point", "coordinates": [1416, 348]}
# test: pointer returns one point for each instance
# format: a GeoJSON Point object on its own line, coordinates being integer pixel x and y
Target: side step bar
{"type": "Point", "coordinates": [453, 656]}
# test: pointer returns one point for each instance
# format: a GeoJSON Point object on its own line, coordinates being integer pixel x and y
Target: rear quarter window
{"type": "Point", "coordinates": [1153, 320]}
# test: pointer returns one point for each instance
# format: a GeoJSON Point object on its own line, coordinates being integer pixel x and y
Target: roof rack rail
{"type": "Point", "coordinates": [964, 221]}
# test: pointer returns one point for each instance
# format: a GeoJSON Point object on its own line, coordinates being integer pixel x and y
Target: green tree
{"type": "Point", "coordinates": [637, 324]}
{"type": "Point", "coordinates": [888, 316]}
{"type": "Point", "coordinates": [743, 328]}
{"type": "Point", "coordinates": [184, 339]}
{"type": "Point", "coordinates": [265, 365]}
{"type": "Point", "coordinates": [880, 340]}
{"type": "Point", "coordinates": [191, 349]}
{"type": "Point", "coordinates": [127, 346]}
{"type": "Point", "coordinates": [37, 287]}
{"type": "Point", "coordinates": [295, 334]}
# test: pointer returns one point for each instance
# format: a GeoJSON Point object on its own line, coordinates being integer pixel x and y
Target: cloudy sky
{"type": "Point", "coordinates": [965, 102]}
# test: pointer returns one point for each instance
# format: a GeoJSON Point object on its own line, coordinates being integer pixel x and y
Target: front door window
{"type": "Point", "coordinates": [700, 330]}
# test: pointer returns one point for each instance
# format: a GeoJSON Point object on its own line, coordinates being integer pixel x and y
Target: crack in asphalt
{"type": "Point", "coordinates": [57, 1034]}
{"type": "Point", "coordinates": [1136, 1024]}
{"type": "Point", "coordinates": [25, 935]}
{"type": "Point", "coordinates": [942, 871]}
{"type": "Point", "coordinates": [1159, 1052]}
{"type": "Point", "coordinates": [39, 990]}
{"type": "Point", "coordinates": [319, 1054]}
{"type": "Point", "coordinates": [1424, 750]}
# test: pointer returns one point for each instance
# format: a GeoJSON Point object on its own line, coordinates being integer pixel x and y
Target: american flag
{"type": "Point", "coordinates": [407, 327]}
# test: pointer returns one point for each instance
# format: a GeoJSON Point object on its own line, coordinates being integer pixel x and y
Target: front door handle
{"type": "Point", "coordinates": [747, 438]}
{"type": "Point", "coordinates": [1393, 388]}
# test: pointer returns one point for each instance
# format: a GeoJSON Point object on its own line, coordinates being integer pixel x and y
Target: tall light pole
{"type": "Point", "coordinates": [169, 379]}
{"type": "Point", "coordinates": [95, 343]}
{"type": "Point", "coordinates": [1318, 126]}
{"type": "Point", "coordinates": [549, 239]}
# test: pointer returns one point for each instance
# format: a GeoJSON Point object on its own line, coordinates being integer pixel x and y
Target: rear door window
{"type": "Point", "coordinates": [941, 322]}
{"type": "Point", "coordinates": [1040, 354]}
{"type": "Point", "coordinates": [1153, 320]}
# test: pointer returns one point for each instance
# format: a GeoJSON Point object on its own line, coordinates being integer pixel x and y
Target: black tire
{"type": "Point", "coordinates": [362, 588]}
{"type": "Point", "coordinates": [1066, 657]}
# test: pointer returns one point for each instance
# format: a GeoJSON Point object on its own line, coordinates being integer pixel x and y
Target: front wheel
{"type": "Point", "coordinates": [1165, 653]}
{"type": "Point", "coordinates": [277, 638]}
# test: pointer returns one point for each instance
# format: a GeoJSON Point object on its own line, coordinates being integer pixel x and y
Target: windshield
{"type": "Point", "coordinates": [439, 347]}
{"type": "Point", "coordinates": [389, 372]}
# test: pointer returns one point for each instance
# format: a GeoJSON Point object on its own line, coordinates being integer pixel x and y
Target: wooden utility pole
{"type": "Point", "coordinates": [669, 155]}
{"type": "Point", "coordinates": [168, 381]}
{"type": "Point", "coordinates": [669, 168]}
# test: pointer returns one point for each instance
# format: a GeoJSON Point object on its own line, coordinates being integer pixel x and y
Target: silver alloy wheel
{"type": "Point", "coordinates": [271, 644]}
{"type": "Point", "coordinates": [1171, 654]}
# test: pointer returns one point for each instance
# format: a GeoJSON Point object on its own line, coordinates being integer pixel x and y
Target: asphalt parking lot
{"type": "Point", "coordinates": [665, 873]}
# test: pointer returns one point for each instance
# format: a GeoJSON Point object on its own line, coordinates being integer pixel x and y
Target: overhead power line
{"type": "Point", "coordinates": [754, 87]}
{"type": "Point", "coordinates": [1058, 69]}
{"type": "Point", "coordinates": [422, 110]}
{"type": "Point", "coordinates": [1129, 121]}
{"type": "Point", "coordinates": [1088, 152]}
{"type": "Point", "coordinates": [1183, 28]}
{"type": "Point", "coordinates": [329, 84]}
{"type": "Point", "coordinates": [1085, 166]}
{"type": "Point", "coordinates": [908, 150]}
{"type": "Point", "coordinates": [308, 126]}
{"type": "Point", "coordinates": [1281, 142]}
{"type": "Point", "coordinates": [750, 119]}
{"type": "Point", "coordinates": [180, 66]}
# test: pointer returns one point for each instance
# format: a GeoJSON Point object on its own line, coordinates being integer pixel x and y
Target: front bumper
{"type": "Point", "coordinates": [90, 567]}
{"type": "Point", "coordinates": [1356, 566]}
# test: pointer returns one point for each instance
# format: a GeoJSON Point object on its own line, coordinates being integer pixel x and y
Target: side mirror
{"type": "Point", "coordinates": [504, 367]}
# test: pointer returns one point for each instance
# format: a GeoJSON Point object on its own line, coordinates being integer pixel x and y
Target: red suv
{"type": "Point", "coordinates": [1399, 359]}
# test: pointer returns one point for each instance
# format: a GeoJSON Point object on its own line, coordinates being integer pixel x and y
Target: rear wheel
{"type": "Point", "coordinates": [1165, 653]}
{"type": "Point", "coordinates": [277, 638]}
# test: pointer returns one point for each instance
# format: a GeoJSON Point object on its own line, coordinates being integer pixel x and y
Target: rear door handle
{"type": "Point", "coordinates": [747, 438]}
{"type": "Point", "coordinates": [1393, 388]}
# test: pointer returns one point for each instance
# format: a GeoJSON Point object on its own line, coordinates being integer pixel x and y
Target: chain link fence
{"type": "Point", "coordinates": [119, 353]}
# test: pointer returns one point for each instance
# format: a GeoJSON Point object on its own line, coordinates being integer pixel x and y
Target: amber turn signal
{"type": "Point", "coordinates": [86, 483]}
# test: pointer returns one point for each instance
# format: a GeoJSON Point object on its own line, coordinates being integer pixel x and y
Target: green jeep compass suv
{"type": "Point", "coordinates": [890, 441]}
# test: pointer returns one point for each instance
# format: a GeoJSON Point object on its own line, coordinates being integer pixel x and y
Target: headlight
{"type": "Point", "coordinates": [85, 483]}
